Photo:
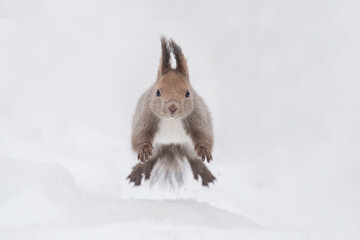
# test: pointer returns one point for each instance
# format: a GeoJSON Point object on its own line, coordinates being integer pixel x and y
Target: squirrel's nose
{"type": "Point", "coordinates": [172, 108]}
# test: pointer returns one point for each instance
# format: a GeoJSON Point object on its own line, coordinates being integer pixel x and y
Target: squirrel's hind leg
{"type": "Point", "coordinates": [140, 170]}
{"type": "Point", "coordinates": [199, 169]}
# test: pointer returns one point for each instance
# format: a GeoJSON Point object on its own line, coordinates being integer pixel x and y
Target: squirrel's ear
{"type": "Point", "coordinates": [165, 64]}
{"type": "Point", "coordinates": [181, 63]}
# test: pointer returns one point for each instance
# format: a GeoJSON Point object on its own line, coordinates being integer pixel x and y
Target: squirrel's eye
{"type": "Point", "coordinates": [158, 94]}
{"type": "Point", "coordinates": [187, 94]}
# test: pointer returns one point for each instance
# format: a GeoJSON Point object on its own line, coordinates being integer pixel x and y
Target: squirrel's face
{"type": "Point", "coordinates": [172, 96]}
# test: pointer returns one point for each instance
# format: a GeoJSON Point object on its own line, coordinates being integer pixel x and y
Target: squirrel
{"type": "Point", "coordinates": [171, 124]}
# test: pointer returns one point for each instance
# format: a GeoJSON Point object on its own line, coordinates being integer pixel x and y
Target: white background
{"type": "Point", "coordinates": [281, 79]}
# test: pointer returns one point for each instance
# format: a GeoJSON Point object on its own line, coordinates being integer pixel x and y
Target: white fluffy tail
{"type": "Point", "coordinates": [169, 171]}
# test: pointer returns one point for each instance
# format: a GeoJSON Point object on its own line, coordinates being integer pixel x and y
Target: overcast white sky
{"type": "Point", "coordinates": [281, 79]}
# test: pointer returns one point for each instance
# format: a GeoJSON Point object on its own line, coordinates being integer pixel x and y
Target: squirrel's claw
{"type": "Point", "coordinates": [203, 153]}
{"type": "Point", "coordinates": [145, 152]}
{"type": "Point", "coordinates": [208, 157]}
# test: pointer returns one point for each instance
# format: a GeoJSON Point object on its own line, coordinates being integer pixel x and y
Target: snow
{"type": "Point", "coordinates": [280, 78]}
{"type": "Point", "coordinates": [44, 196]}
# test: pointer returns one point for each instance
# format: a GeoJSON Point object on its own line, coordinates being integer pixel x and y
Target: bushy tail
{"type": "Point", "coordinates": [169, 171]}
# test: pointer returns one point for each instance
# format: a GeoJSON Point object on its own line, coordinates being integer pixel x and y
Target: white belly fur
{"type": "Point", "coordinates": [172, 131]}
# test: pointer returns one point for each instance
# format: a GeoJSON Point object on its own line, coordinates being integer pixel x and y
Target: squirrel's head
{"type": "Point", "coordinates": [172, 96]}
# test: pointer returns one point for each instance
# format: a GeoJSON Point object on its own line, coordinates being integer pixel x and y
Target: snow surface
{"type": "Point", "coordinates": [280, 77]}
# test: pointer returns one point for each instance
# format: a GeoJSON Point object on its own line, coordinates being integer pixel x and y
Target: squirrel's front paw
{"type": "Point", "coordinates": [145, 152]}
{"type": "Point", "coordinates": [203, 152]}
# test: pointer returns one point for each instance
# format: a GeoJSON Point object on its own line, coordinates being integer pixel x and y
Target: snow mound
{"type": "Point", "coordinates": [45, 194]}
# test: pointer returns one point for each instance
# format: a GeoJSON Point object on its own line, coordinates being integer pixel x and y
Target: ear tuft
{"type": "Point", "coordinates": [168, 46]}
{"type": "Point", "coordinates": [181, 64]}
{"type": "Point", "coordinates": [165, 64]}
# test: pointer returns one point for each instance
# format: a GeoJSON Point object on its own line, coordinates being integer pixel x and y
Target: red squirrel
{"type": "Point", "coordinates": [171, 123]}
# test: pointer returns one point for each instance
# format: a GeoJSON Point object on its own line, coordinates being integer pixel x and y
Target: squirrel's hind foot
{"type": "Point", "coordinates": [199, 169]}
{"type": "Point", "coordinates": [140, 170]}
{"type": "Point", "coordinates": [136, 175]}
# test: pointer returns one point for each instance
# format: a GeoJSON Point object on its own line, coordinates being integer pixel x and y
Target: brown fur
{"type": "Point", "coordinates": [173, 85]}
